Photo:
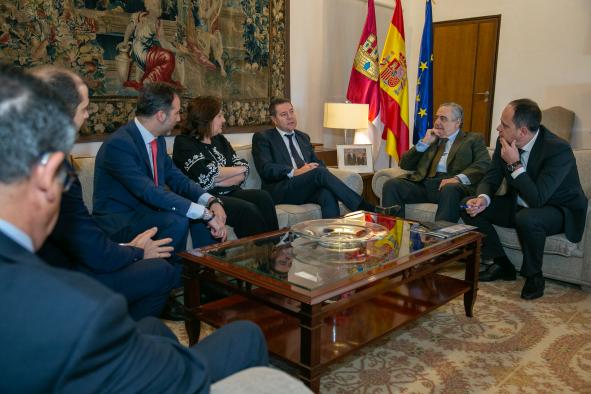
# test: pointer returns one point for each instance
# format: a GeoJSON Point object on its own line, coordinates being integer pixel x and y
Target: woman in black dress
{"type": "Point", "coordinates": [206, 156]}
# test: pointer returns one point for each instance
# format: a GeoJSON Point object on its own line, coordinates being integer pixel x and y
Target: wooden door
{"type": "Point", "coordinates": [465, 60]}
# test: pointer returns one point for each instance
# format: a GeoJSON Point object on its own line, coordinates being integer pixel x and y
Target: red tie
{"type": "Point", "coordinates": [154, 146]}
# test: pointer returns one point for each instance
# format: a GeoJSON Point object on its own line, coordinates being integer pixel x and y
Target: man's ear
{"type": "Point", "coordinates": [161, 116]}
{"type": "Point", "coordinates": [44, 174]}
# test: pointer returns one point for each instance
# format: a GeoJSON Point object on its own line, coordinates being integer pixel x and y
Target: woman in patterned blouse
{"type": "Point", "coordinates": [206, 156]}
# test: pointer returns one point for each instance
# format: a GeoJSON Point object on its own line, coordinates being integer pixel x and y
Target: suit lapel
{"type": "Point", "coordinates": [278, 142]}
{"type": "Point", "coordinates": [534, 160]}
{"type": "Point", "coordinates": [455, 146]}
{"type": "Point", "coordinates": [136, 136]}
{"type": "Point", "coordinates": [303, 143]}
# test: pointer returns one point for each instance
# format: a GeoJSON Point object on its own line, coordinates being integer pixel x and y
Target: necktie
{"type": "Point", "coordinates": [294, 153]}
{"type": "Point", "coordinates": [437, 158]}
{"type": "Point", "coordinates": [154, 146]}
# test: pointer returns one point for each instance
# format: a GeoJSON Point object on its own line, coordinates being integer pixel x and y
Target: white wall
{"type": "Point", "coordinates": [544, 54]}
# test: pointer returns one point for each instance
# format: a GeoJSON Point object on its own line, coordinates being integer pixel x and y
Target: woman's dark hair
{"type": "Point", "coordinates": [200, 113]}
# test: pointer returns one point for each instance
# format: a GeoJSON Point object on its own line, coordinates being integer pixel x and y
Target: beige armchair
{"type": "Point", "coordinates": [563, 260]}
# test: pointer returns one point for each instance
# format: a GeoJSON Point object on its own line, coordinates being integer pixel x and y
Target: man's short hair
{"type": "Point", "coordinates": [275, 102]}
{"type": "Point", "coordinates": [154, 97]}
{"type": "Point", "coordinates": [33, 121]}
{"type": "Point", "coordinates": [456, 110]}
{"type": "Point", "coordinates": [527, 113]}
{"type": "Point", "coordinates": [63, 81]}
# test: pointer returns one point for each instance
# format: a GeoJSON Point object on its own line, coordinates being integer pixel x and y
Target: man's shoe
{"type": "Point", "coordinates": [174, 310]}
{"type": "Point", "coordinates": [393, 210]}
{"type": "Point", "coordinates": [498, 271]}
{"type": "Point", "coordinates": [365, 206]}
{"type": "Point", "coordinates": [533, 287]}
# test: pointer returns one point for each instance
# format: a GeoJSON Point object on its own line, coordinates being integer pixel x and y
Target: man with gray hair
{"type": "Point", "coordinates": [446, 166]}
{"type": "Point", "coordinates": [62, 331]}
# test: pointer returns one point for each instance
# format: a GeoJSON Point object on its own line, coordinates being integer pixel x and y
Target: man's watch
{"type": "Point", "coordinates": [512, 167]}
{"type": "Point", "coordinates": [214, 200]}
{"type": "Point", "coordinates": [207, 216]}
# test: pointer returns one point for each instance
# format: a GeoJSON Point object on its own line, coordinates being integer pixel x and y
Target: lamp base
{"type": "Point", "coordinates": [349, 136]}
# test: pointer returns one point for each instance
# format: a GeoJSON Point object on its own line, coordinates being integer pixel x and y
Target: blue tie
{"type": "Point", "coordinates": [294, 153]}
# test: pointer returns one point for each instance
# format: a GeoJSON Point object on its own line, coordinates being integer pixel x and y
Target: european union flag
{"type": "Point", "coordinates": [424, 99]}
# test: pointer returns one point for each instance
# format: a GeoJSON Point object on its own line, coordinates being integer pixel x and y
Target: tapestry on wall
{"type": "Point", "coordinates": [233, 49]}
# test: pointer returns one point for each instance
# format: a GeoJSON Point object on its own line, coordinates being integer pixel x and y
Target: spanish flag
{"type": "Point", "coordinates": [394, 88]}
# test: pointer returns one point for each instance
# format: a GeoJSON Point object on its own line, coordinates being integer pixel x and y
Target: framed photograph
{"type": "Point", "coordinates": [355, 158]}
{"type": "Point", "coordinates": [234, 49]}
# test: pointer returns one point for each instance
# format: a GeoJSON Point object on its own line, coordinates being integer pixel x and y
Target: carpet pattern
{"type": "Point", "coordinates": [509, 346]}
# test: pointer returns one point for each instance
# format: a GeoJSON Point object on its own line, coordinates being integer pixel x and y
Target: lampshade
{"type": "Point", "coordinates": [345, 115]}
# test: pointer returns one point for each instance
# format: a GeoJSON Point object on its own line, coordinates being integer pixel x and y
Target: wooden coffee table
{"type": "Point", "coordinates": [317, 305]}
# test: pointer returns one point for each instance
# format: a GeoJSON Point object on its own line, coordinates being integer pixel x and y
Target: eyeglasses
{"type": "Point", "coordinates": [66, 173]}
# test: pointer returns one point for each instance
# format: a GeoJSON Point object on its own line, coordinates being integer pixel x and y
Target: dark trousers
{"type": "Point", "coordinates": [400, 191]}
{"type": "Point", "coordinates": [532, 225]}
{"type": "Point", "coordinates": [318, 186]}
{"type": "Point", "coordinates": [124, 227]}
{"type": "Point", "coordinates": [232, 348]}
{"type": "Point", "coordinates": [154, 326]}
{"type": "Point", "coordinates": [250, 211]}
{"type": "Point", "coordinates": [145, 284]}
{"type": "Point", "coordinates": [229, 349]}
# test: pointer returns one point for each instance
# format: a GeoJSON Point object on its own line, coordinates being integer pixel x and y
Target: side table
{"type": "Point", "coordinates": [368, 193]}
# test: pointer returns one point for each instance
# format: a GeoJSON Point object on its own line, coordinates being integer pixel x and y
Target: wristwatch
{"type": "Point", "coordinates": [512, 167]}
{"type": "Point", "coordinates": [207, 215]}
{"type": "Point", "coordinates": [213, 201]}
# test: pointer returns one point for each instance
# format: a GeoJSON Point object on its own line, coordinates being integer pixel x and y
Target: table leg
{"type": "Point", "coordinates": [310, 345]}
{"type": "Point", "coordinates": [192, 303]}
{"type": "Point", "coordinates": [472, 272]}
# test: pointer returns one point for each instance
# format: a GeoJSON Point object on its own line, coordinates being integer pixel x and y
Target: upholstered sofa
{"type": "Point", "coordinates": [287, 214]}
{"type": "Point", "coordinates": [563, 260]}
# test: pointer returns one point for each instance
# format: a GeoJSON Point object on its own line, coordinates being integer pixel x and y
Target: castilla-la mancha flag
{"type": "Point", "coordinates": [363, 83]}
{"type": "Point", "coordinates": [394, 88]}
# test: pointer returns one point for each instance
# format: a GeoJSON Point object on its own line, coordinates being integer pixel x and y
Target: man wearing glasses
{"type": "Point", "coordinates": [446, 166]}
{"type": "Point", "coordinates": [63, 332]}
{"type": "Point", "coordinates": [137, 269]}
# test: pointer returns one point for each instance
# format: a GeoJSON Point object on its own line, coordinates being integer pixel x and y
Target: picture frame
{"type": "Point", "coordinates": [237, 50]}
{"type": "Point", "coordinates": [357, 158]}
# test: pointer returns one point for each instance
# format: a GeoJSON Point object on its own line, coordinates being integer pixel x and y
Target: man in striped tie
{"type": "Point", "coordinates": [446, 166]}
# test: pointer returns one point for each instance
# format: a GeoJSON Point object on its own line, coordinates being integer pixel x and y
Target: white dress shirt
{"type": "Point", "coordinates": [17, 235]}
{"type": "Point", "coordinates": [297, 146]}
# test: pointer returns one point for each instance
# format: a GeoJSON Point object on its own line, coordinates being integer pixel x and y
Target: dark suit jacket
{"type": "Point", "coordinates": [123, 180]}
{"type": "Point", "coordinates": [468, 155]}
{"type": "Point", "coordinates": [77, 241]}
{"type": "Point", "coordinates": [272, 159]}
{"type": "Point", "coordinates": [64, 332]}
{"type": "Point", "coordinates": [551, 178]}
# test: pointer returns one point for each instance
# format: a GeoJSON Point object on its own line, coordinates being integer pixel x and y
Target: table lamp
{"type": "Point", "coordinates": [346, 116]}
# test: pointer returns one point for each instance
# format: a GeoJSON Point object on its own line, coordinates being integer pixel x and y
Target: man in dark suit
{"type": "Point", "coordinates": [138, 269]}
{"type": "Point", "coordinates": [544, 195]}
{"type": "Point", "coordinates": [446, 166]}
{"type": "Point", "coordinates": [137, 186]}
{"type": "Point", "coordinates": [62, 331]}
{"type": "Point", "coordinates": [290, 170]}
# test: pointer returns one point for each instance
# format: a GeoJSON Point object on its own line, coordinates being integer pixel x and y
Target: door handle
{"type": "Point", "coordinates": [486, 94]}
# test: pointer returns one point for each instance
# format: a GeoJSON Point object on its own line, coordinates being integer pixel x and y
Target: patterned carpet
{"type": "Point", "coordinates": [510, 346]}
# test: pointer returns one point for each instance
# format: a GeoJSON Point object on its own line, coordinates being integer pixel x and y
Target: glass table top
{"type": "Point", "coordinates": [327, 251]}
